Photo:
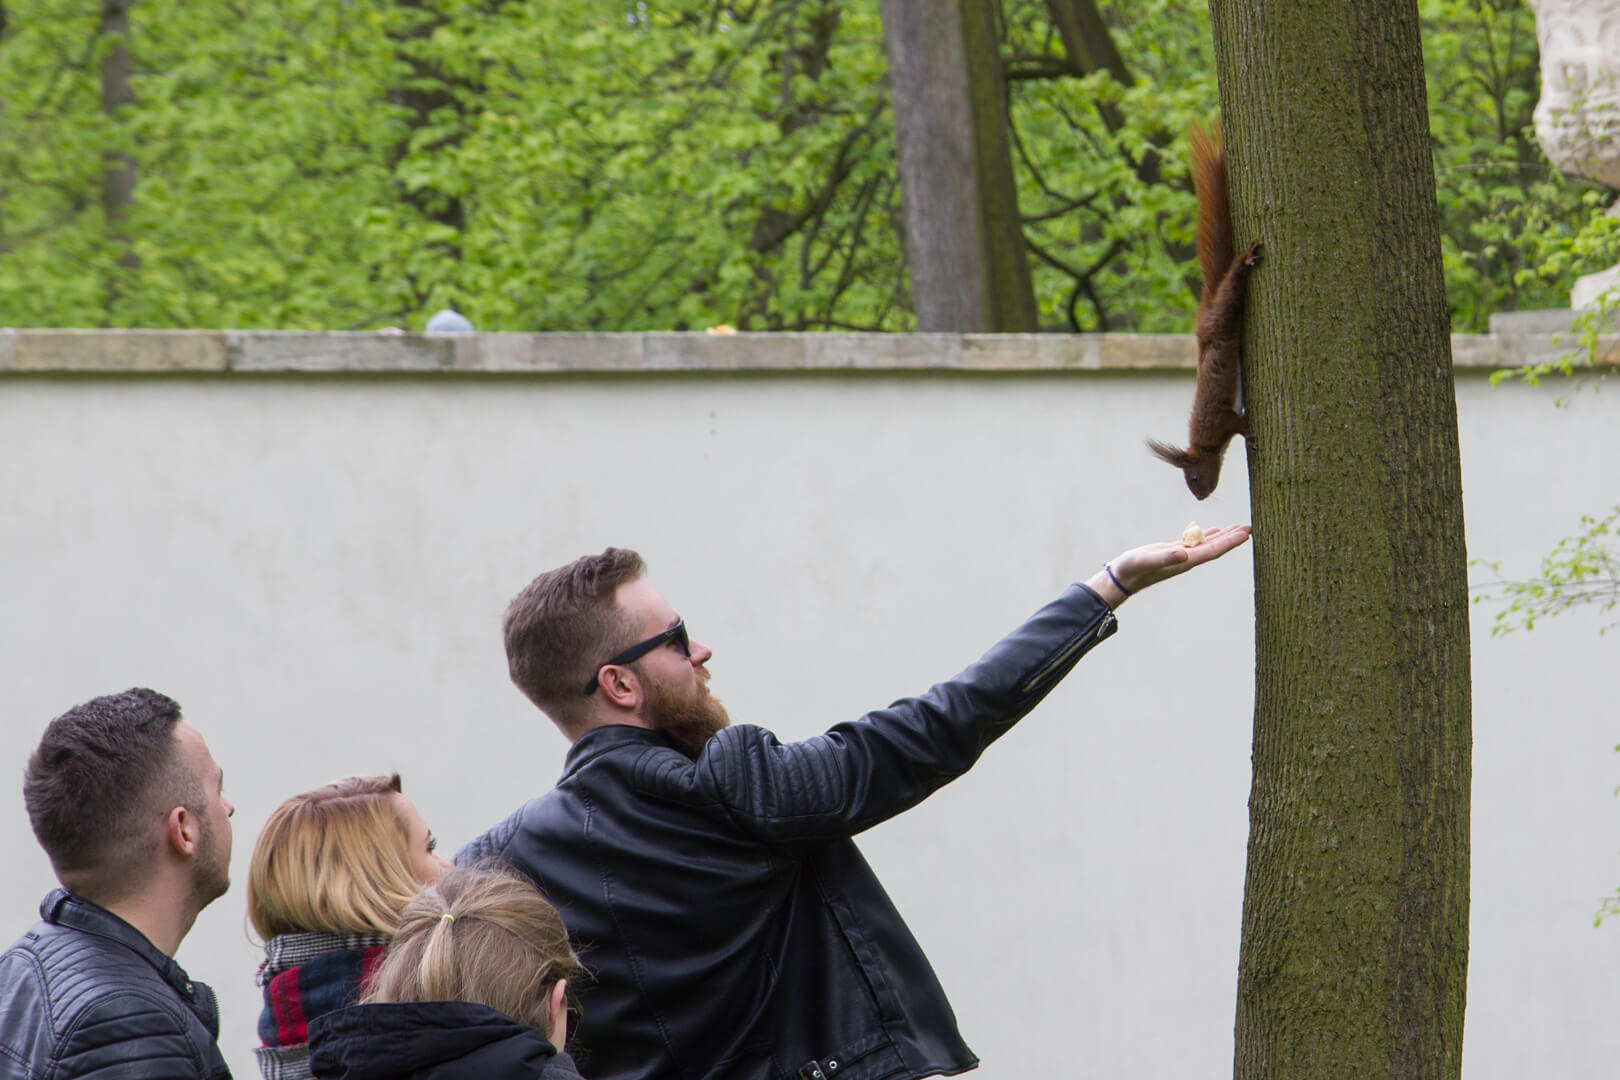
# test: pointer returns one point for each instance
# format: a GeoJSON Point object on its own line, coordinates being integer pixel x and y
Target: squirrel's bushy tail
{"type": "Point", "coordinates": [1214, 215]}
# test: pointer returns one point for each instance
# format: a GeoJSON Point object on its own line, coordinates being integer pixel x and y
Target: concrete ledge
{"type": "Point", "coordinates": [144, 351]}
{"type": "Point", "coordinates": [278, 351]}
{"type": "Point", "coordinates": [290, 351]}
{"type": "Point", "coordinates": [887, 352]}
{"type": "Point", "coordinates": [550, 353]}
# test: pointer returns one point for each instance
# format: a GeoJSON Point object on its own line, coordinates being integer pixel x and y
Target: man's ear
{"type": "Point", "coordinates": [619, 686]}
{"type": "Point", "coordinates": [182, 832]}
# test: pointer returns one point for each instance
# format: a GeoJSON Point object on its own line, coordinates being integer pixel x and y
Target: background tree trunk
{"type": "Point", "coordinates": [118, 181]}
{"type": "Point", "coordinates": [964, 236]}
{"type": "Point", "coordinates": [1355, 914]}
{"type": "Point", "coordinates": [1086, 40]}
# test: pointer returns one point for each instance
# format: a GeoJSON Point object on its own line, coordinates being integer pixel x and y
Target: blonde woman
{"type": "Point", "coordinates": [331, 871]}
{"type": "Point", "coordinates": [475, 985]}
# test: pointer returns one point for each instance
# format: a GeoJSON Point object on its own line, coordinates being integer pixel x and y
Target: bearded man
{"type": "Point", "coordinates": [706, 872]}
{"type": "Point", "coordinates": [126, 800]}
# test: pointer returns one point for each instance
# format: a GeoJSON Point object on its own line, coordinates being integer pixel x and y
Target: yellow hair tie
{"type": "Point", "coordinates": [447, 917]}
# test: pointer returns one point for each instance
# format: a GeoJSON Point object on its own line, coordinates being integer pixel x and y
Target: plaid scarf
{"type": "Point", "coordinates": [304, 976]}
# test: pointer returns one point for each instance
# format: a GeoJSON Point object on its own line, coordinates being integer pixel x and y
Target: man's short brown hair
{"type": "Point", "coordinates": [564, 625]}
{"type": "Point", "coordinates": [94, 784]}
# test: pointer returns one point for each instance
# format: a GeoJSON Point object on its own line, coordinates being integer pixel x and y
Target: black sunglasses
{"type": "Point", "coordinates": [676, 633]}
{"type": "Point", "coordinates": [570, 1025]}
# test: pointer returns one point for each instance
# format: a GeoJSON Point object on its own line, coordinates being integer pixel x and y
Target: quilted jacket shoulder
{"type": "Point", "coordinates": [86, 995]}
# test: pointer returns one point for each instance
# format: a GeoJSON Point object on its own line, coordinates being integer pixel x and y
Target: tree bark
{"type": "Point", "coordinates": [118, 178]}
{"type": "Point", "coordinates": [1090, 47]}
{"type": "Point", "coordinates": [425, 91]}
{"type": "Point", "coordinates": [1010, 300]}
{"type": "Point", "coordinates": [1086, 40]}
{"type": "Point", "coordinates": [964, 236]}
{"type": "Point", "coordinates": [1355, 916]}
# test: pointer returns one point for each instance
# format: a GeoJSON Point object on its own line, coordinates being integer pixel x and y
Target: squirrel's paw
{"type": "Point", "coordinates": [1252, 256]}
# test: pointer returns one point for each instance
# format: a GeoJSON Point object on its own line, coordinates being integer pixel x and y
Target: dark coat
{"type": "Point", "coordinates": [84, 993]}
{"type": "Point", "coordinates": [431, 1040]}
{"type": "Point", "coordinates": [733, 929]}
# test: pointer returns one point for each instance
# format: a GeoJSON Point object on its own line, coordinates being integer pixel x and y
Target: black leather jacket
{"type": "Point", "coordinates": [84, 993]}
{"type": "Point", "coordinates": [733, 929]}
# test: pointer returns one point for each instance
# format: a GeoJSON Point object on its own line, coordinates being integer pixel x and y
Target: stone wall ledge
{"type": "Point", "coordinates": [137, 352]}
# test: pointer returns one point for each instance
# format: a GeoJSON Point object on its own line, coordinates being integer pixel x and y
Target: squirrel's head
{"type": "Point", "coordinates": [1202, 471]}
{"type": "Point", "coordinates": [1202, 478]}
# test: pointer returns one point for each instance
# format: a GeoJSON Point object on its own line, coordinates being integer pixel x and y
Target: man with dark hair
{"type": "Point", "coordinates": [126, 800]}
{"type": "Point", "coordinates": [706, 872]}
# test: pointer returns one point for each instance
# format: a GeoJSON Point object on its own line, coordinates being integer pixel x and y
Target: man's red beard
{"type": "Point", "coordinates": [687, 721]}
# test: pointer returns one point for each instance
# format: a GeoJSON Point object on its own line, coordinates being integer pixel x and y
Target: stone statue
{"type": "Point", "coordinates": [1578, 117]}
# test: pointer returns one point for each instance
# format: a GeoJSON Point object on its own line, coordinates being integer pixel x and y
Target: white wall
{"type": "Point", "coordinates": [315, 567]}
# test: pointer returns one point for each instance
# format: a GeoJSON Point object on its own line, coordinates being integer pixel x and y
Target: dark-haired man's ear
{"type": "Point", "coordinates": [182, 831]}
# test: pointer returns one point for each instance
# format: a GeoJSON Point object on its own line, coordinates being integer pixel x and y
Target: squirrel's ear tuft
{"type": "Point", "coordinates": [1181, 459]}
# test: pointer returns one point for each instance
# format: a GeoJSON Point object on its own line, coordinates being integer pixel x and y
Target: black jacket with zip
{"type": "Point", "coordinates": [84, 993]}
{"type": "Point", "coordinates": [733, 929]}
{"type": "Point", "coordinates": [431, 1040]}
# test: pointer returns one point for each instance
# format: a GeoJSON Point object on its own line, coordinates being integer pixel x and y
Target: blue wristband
{"type": "Point", "coordinates": [1110, 571]}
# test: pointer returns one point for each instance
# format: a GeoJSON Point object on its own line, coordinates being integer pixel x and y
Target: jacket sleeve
{"type": "Point", "coordinates": [868, 770]}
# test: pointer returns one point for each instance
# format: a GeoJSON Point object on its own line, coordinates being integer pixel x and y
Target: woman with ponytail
{"type": "Point", "coordinates": [475, 984]}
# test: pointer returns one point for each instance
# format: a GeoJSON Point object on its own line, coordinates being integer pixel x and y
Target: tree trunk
{"type": "Point", "coordinates": [1086, 40]}
{"type": "Point", "coordinates": [1355, 915]}
{"type": "Point", "coordinates": [118, 178]}
{"type": "Point", "coordinates": [964, 236]}
{"type": "Point", "coordinates": [1090, 47]}
{"type": "Point", "coordinates": [426, 91]}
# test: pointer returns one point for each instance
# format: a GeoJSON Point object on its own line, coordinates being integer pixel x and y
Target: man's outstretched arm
{"type": "Point", "coordinates": [868, 770]}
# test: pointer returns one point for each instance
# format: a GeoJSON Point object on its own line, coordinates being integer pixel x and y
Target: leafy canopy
{"type": "Point", "coordinates": [615, 165]}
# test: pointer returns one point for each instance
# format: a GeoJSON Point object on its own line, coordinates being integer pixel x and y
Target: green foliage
{"type": "Point", "coordinates": [618, 165]}
{"type": "Point", "coordinates": [667, 169]}
{"type": "Point", "coordinates": [1103, 178]}
{"type": "Point", "coordinates": [1591, 341]}
{"type": "Point", "coordinates": [1593, 330]}
{"type": "Point", "coordinates": [541, 166]}
{"type": "Point", "coordinates": [1610, 906]}
{"type": "Point", "coordinates": [1579, 571]}
{"type": "Point", "coordinates": [257, 144]}
{"type": "Point", "coordinates": [52, 138]}
{"type": "Point", "coordinates": [1515, 233]}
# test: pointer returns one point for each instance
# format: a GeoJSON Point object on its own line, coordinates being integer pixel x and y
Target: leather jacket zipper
{"type": "Point", "coordinates": [1105, 626]}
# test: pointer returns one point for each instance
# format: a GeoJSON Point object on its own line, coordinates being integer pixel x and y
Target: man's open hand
{"type": "Point", "coordinates": [1136, 569]}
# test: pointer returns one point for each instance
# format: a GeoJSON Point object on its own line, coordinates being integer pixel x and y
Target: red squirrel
{"type": "Point", "coordinates": [1215, 416]}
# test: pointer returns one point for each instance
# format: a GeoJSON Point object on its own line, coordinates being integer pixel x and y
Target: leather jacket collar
{"type": "Point", "coordinates": [76, 913]}
{"type": "Point", "coordinates": [599, 740]}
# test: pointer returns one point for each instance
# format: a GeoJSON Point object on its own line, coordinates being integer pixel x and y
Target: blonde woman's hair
{"type": "Point", "coordinates": [335, 859]}
{"type": "Point", "coordinates": [480, 935]}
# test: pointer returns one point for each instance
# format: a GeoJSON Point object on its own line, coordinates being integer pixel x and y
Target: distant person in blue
{"type": "Point", "coordinates": [706, 872]}
{"type": "Point", "coordinates": [448, 321]}
{"type": "Point", "coordinates": [445, 321]}
{"type": "Point", "coordinates": [126, 800]}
